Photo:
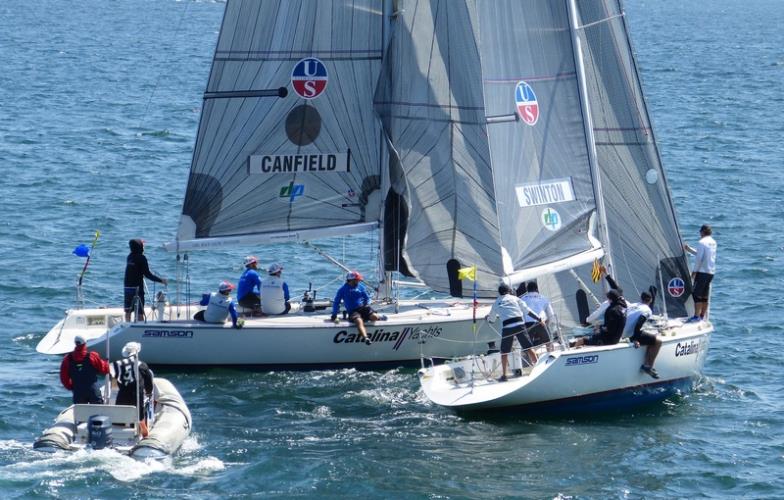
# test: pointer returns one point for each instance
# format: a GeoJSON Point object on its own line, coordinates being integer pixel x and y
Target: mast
{"type": "Point", "coordinates": [588, 125]}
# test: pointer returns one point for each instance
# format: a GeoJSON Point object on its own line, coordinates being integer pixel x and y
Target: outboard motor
{"type": "Point", "coordinates": [99, 432]}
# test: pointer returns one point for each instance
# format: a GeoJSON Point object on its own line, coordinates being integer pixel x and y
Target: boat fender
{"type": "Point", "coordinates": [99, 432]}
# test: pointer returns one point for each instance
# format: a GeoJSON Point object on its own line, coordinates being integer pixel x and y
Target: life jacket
{"type": "Point", "coordinates": [86, 386]}
{"type": "Point", "coordinates": [218, 308]}
{"type": "Point", "coordinates": [273, 301]}
{"type": "Point", "coordinates": [127, 383]}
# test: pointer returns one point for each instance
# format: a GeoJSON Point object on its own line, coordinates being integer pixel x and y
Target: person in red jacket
{"type": "Point", "coordinates": [79, 373]}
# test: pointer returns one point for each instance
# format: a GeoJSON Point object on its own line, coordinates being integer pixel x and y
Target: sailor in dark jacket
{"type": "Point", "coordinates": [614, 319]}
{"type": "Point", "coordinates": [611, 330]}
{"type": "Point", "coordinates": [127, 372]}
{"type": "Point", "coordinates": [79, 373]}
{"type": "Point", "coordinates": [136, 269]}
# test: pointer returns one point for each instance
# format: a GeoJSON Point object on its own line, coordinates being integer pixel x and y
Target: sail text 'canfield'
{"type": "Point", "coordinates": [298, 163]}
{"type": "Point", "coordinates": [545, 193]}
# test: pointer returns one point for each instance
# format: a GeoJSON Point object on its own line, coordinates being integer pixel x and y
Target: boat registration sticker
{"type": "Point", "coordinates": [527, 105]}
{"type": "Point", "coordinates": [309, 78]}
{"type": "Point", "coordinates": [551, 219]}
{"type": "Point", "coordinates": [676, 287]}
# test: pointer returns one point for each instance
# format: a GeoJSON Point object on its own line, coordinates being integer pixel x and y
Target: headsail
{"type": "Point", "coordinates": [485, 183]}
{"type": "Point", "coordinates": [640, 214]}
{"type": "Point", "coordinates": [288, 143]}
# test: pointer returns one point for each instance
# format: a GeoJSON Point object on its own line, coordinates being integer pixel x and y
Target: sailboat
{"type": "Point", "coordinates": [290, 148]}
{"type": "Point", "coordinates": [547, 96]}
{"type": "Point", "coordinates": [501, 136]}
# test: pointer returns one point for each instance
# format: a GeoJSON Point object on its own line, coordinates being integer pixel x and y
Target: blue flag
{"type": "Point", "coordinates": [82, 251]}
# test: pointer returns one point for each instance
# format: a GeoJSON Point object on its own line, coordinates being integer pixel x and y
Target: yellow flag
{"type": "Point", "coordinates": [596, 273]}
{"type": "Point", "coordinates": [467, 273]}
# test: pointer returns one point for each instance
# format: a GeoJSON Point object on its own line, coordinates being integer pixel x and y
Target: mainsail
{"type": "Point", "coordinates": [485, 187]}
{"type": "Point", "coordinates": [288, 143]}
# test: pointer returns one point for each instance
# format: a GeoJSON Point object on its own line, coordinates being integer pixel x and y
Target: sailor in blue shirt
{"type": "Point", "coordinates": [356, 299]}
{"type": "Point", "coordinates": [219, 306]}
{"type": "Point", "coordinates": [249, 285]}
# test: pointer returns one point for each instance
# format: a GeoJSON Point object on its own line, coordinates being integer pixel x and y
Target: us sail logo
{"type": "Point", "coordinates": [527, 105]}
{"type": "Point", "coordinates": [676, 287]}
{"type": "Point", "coordinates": [309, 78]}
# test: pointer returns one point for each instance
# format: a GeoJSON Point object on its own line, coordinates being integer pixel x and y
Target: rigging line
{"type": "Point", "coordinates": [158, 78]}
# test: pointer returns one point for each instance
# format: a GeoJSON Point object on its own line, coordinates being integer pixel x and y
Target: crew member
{"type": "Point", "coordinates": [702, 274]}
{"type": "Point", "coordinates": [611, 330]}
{"type": "Point", "coordinates": [136, 269]}
{"type": "Point", "coordinates": [219, 306]}
{"type": "Point", "coordinates": [541, 307]}
{"type": "Point", "coordinates": [79, 373]}
{"type": "Point", "coordinates": [274, 292]}
{"type": "Point", "coordinates": [249, 285]}
{"type": "Point", "coordinates": [356, 299]}
{"type": "Point", "coordinates": [512, 310]}
{"type": "Point", "coordinates": [636, 316]}
{"type": "Point", "coordinates": [129, 391]}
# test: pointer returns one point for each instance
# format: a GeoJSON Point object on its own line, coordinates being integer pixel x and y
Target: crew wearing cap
{"type": "Point", "coordinates": [79, 373]}
{"type": "Point", "coordinates": [541, 307]}
{"type": "Point", "coordinates": [219, 306]}
{"type": "Point", "coordinates": [126, 373]}
{"type": "Point", "coordinates": [356, 300]}
{"type": "Point", "coordinates": [514, 314]}
{"type": "Point", "coordinates": [274, 292]}
{"type": "Point", "coordinates": [249, 285]}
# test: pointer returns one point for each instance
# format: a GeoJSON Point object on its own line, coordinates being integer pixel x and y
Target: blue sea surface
{"type": "Point", "coordinates": [99, 105]}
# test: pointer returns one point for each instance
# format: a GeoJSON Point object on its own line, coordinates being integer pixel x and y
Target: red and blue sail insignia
{"type": "Point", "coordinates": [527, 105]}
{"type": "Point", "coordinates": [676, 287]}
{"type": "Point", "coordinates": [309, 78]}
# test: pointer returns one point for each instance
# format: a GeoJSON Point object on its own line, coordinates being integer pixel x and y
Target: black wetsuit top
{"type": "Point", "coordinates": [614, 321]}
{"type": "Point", "coordinates": [125, 375]}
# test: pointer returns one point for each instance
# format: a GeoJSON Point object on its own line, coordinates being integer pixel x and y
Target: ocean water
{"type": "Point", "coordinates": [99, 104]}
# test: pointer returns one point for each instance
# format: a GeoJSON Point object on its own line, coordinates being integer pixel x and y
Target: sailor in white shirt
{"type": "Point", "coordinates": [274, 292]}
{"type": "Point", "coordinates": [541, 307]}
{"type": "Point", "coordinates": [703, 271]}
{"type": "Point", "coordinates": [636, 316]}
{"type": "Point", "coordinates": [513, 313]}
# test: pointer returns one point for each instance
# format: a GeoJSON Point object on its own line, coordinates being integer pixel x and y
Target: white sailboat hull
{"type": "Point", "coordinates": [294, 341]}
{"type": "Point", "coordinates": [573, 380]}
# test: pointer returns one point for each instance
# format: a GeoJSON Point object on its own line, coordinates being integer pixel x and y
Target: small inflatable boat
{"type": "Point", "coordinates": [117, 426]}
